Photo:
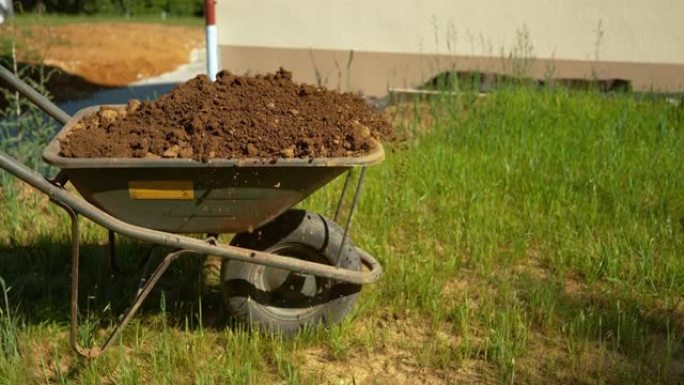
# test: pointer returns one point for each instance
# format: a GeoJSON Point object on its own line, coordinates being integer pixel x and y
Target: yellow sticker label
{"type": "Point", "coordinates": [161, 189]}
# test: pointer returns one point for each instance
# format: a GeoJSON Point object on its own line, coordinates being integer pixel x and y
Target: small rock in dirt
{"type": "Point", "coordinates": [172, 152]}
{"type": "Point", "coordinates": [364, 132]}
{"type": "Point", "coordinates": [150, 155]}
{"type": "Point", "coordinates": [133, 105]}
{"type": "Point", "coordinates": [108, 114]}
{"type": "Point", "coordinates": [185, 152]}
{"type": "Point", "coordinates": [252, 151]}
{"type": "Point", "coordinates": [287, 152]}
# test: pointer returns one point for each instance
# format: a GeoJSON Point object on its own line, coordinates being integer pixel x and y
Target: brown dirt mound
{"type": "Point", "coordinates": [265, 116]}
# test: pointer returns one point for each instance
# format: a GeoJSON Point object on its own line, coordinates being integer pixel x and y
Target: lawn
{"type": "Point", "coordinates": [29, 19]}
{"type": "Point", "coordinates": [530, 236]}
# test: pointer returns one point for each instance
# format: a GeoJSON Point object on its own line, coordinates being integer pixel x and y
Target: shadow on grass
{"type": "Point", "coordinates": [615, 333]}
{"type": "Point", "coordinates": [40, 279]}
{"type": "Point", "coordinates": [72, 92]}
{"type": "Point", "coordinates": [61, 85]}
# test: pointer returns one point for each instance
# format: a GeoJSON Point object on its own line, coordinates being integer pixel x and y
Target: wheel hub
{"type": "Point", "coordinates": [292, 295]}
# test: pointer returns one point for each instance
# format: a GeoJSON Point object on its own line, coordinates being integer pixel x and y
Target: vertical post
{"type": "Point", "coordinates": [212, 39]}
{"type": "Point", "coordinates": [343, 194]}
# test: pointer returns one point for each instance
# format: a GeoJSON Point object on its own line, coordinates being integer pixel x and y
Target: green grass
{"type": "Point", "coordinates": [28, 19]}
{"type": "Point", "coordinates": [532, 236]}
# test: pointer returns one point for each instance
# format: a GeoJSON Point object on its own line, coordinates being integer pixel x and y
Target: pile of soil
{"type": "Point", "coordinates": [265, 116]}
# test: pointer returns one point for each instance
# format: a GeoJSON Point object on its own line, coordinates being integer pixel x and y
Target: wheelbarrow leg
{"type": "Point", "coordinates": [111, 257]}
{"type": "Point", "coordinates": [75, 247]}
{"type": "Point", "coordinates": [355, 202]}
{"type": "Point", "coordinates": [145, 264]}
{"type": "Point", "coordinates": [343, 193]}
{"type": "Point", "coordinates": [113, 262]}
{"type": "Point", "coordinates": [139, 298]}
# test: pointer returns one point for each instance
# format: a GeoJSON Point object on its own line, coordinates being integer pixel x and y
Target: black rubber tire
{"type": "Point", "coordinates": [278, 301]}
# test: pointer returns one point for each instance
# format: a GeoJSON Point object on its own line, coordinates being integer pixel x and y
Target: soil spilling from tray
{"type": "Point", "coordinates": [265, 116]}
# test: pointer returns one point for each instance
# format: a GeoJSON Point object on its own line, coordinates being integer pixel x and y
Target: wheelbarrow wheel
{"type": "Point", "coordinates": [276, 300]}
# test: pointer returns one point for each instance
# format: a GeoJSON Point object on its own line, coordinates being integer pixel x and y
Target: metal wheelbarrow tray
{"type": "Point", "coordinates": [277, 251]}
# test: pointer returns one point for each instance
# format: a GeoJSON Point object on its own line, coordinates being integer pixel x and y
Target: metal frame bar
{"type": "Point", "coordinates": [343, 193]}
{"type": "Point", "coordinates": [352, 210]}
{"type": "Point", "coordinates": [140, 295]}
{"type": "Point", "coordinates": [146, 286]}
{"type": "Point", "coordinates": [111, 256]}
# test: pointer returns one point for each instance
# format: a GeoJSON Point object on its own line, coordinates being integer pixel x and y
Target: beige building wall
{"type": "Point", "coordinates": [402, 43]}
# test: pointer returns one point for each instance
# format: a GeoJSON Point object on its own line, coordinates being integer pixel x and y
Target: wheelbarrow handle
{"type": "Point", "coordinates": [369, 262]}
{"type": "Point", "coordinates": [39, 100]}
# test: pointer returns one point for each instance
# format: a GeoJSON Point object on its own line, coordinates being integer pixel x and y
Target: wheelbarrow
{"type": "Point", "coordinates": [284, 269]}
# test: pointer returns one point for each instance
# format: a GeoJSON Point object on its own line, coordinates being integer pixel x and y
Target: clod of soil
{"type": "Point", "coordinates": [265, 116]}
